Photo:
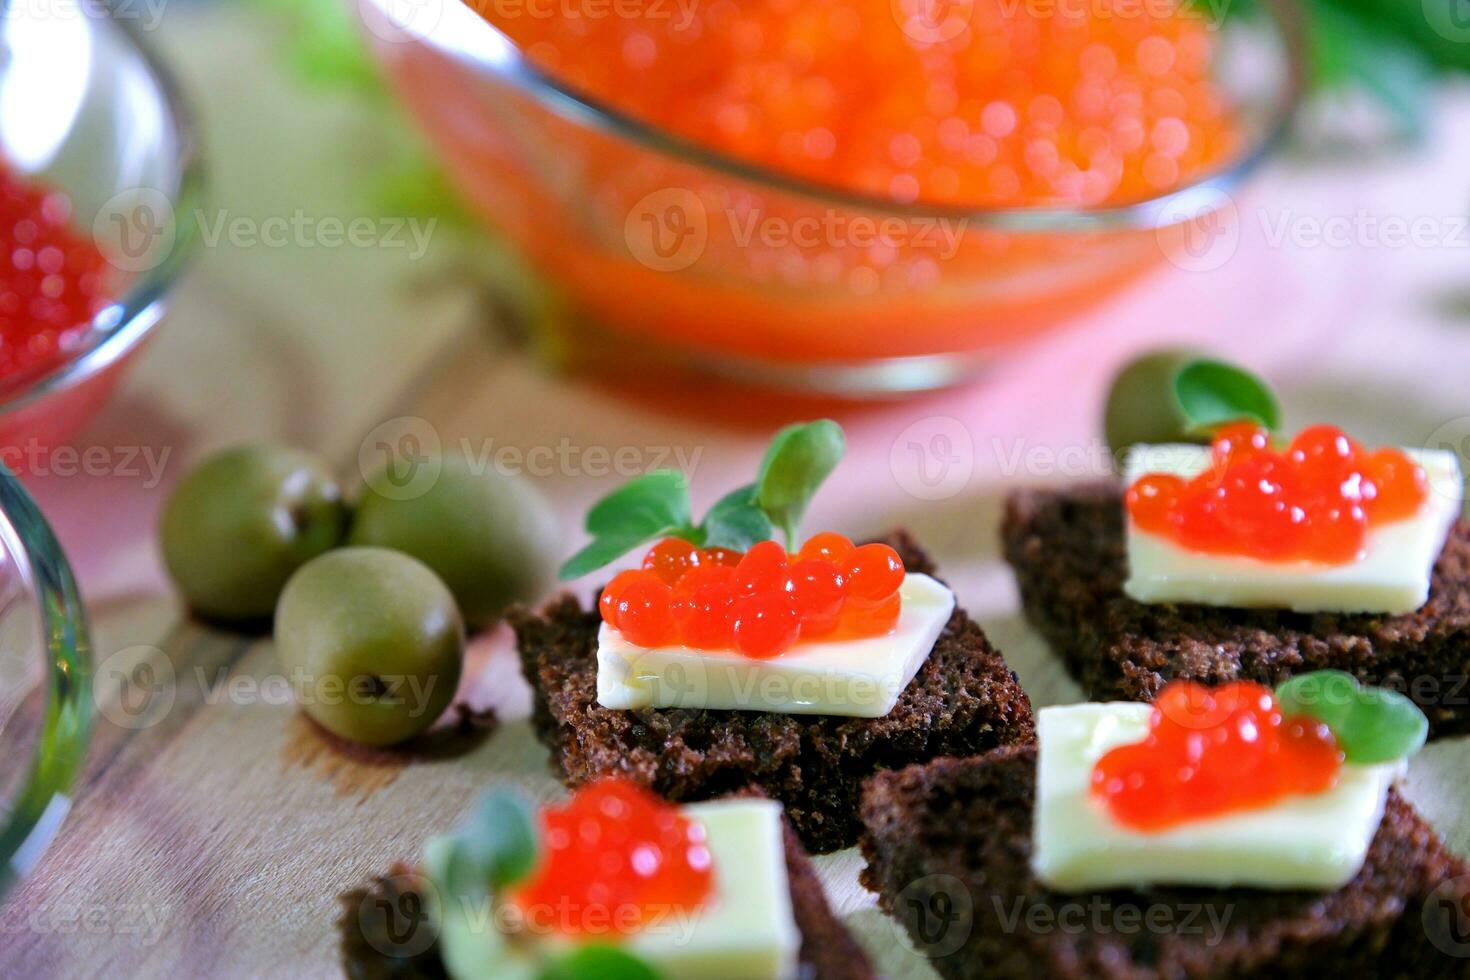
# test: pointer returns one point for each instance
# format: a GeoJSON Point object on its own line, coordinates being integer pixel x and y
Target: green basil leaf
{"type": "Point", "coordinates": [649, 503]}
{"type": "Point", "coordinates": [1372, 724]}
{"type": "Point", "coordinates": [607, 549]}
{"type": "Point", "coordinates": [1212, 393]}
{"type": "Point", "coordinates": [1384, 726]}
{"type": "Point", "coordinates": [598, 961]}
{"type": "Point", "coordinates": [736, 521]}
{"type": "Point", "coordinates": [1327, 695]}
{"type": "Point", "coordinates": [650, 506]}
{"type": "Point", "coordinates": [800, 457]}
{"type": "Point", "coordinates": [495, 846]}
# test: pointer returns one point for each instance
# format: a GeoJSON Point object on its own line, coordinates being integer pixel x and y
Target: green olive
{"type": "Point", "coordinates": [241, 522]}
{"type": "Point", "coordinates": [1141, 405]}
{"type": "Point", "coordinates": [489, 535]}
{"type": "Point", "coordinates": [1178, 395]}
{"type": "Point", "coordinates": [372, 643]}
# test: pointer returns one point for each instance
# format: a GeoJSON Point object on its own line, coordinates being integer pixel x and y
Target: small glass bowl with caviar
{"type": "Point", "coordinates": [98, 181]}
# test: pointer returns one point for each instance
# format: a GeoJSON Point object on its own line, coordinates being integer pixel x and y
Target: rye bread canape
{"type": "Point", "coordinates": [952, 850]}
{"type": "Point", "coordinates": [727, 660]}
{"type": "Point", "coordinates": [1068, 550]}
{"type": "Point", "coordinates": [390, 929]}
{"type": "Point", "coordinates": [963, 700]}
{"type": "Point", "coordinates": [1256, 557]}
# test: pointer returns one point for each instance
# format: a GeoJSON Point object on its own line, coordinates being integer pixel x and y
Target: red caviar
{"type": "Point", "coordinates": [1314, 501]}
{"type": "Point", "coordinates": [761, 602]}
{"type": "Point", "coordinates": [671, 558]}
{"type": "Point", "coordinates": [51, 279]}
{"type": "Point", "coordinates": [1214, 751]}
{"type": "Point", "coordinates": [612, 857]}
{"type": "Point", "coordinates": [981, 103]}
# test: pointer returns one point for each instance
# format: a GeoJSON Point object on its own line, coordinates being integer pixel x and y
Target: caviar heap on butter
{"type": "Point", "coordinates": [1235, 785]}
{"type": "Point", "coordinates": [720, 616]}
{"type": "Point", "coordinates": [614, 848]}
{"type": "Point", "coordinates": [760, 603]}
{"type": "Point", "coordinates": [1321, 524]}
{"type": "Point", "coordinates": [1213, 752]}
{"type": "Point", "coordinates": [614, 882]}
{"type": "Point", "coordinates": [834, 629]}
{"type": "Point", "coordinates": [1313, 501]}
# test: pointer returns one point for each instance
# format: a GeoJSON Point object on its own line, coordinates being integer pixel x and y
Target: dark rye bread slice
{"type": "Point", "coordinates": [948, 846]}
{"type": "Point", "coordinates": [382, 938]}
{"type": "Point", "coordinates": [963, 700]}
{"type": "Point", "coordinates": [1069, 554]}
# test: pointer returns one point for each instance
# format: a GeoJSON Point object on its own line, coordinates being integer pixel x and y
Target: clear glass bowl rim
{"type": "Point", "coordinates": [61, 744]}
{"type": "Point", "coordinates": [122, 325]}
{"type": "Point", "coordinates": [486, 49]}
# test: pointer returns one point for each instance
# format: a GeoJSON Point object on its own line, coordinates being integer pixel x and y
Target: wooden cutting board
{"type": "Point", "coordinates": [213, 828]}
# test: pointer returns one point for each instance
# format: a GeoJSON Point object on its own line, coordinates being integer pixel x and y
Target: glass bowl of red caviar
{"type": "Point", "coordinates": [45, 683]}
{"type": "Point", "coordinates": [846, 195]}
{"type": "Point", "coordinates": [98, 180]}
